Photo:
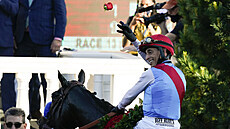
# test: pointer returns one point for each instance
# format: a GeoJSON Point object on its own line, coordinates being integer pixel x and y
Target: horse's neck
{"type": "Point", "coordinates": [86, 106]}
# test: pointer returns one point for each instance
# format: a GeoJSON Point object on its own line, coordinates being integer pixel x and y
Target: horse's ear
{"type": "Point", "coordinates": [62, 79]}
{"type": "Point", "coordinates": [81, 76]}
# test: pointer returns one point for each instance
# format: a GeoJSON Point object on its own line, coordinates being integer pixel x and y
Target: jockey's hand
{"type": "Point", "coordinates": [118, 111]}
{"type": "Point", "coordinates": [126, 31]}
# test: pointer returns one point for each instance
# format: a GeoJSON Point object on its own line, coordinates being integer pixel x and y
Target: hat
{"type": "Point", "coordinates": [157, 40]}
{"type": "Point", "coordinates": [170, 4]}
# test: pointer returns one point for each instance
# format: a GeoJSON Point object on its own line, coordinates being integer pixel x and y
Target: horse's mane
{"type": "Point", "coordinates": [98, 101]}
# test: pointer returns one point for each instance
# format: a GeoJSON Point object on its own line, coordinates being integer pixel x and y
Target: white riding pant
{"type": "Point", "coordinates": [157, 123]}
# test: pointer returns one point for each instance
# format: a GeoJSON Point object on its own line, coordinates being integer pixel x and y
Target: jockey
{"type": "Point", "coordinates": [163, 84]}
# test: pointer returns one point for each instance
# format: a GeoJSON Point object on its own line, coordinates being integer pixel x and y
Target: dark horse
{"type": "Point", "coordinates": [74, 106]}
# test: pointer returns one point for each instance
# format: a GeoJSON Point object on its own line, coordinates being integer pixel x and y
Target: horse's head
{"type": "Point", "coordinates": [65, 83]}
{"type": "Point", "coordinates": [74, 106]}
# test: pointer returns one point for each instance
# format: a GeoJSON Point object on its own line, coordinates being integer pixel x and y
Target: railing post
{"type": "Point", "coordinates": [1, 76]}
{"type": "Point", "coordinates": [22, 91]}
{"type": "Point", "coordinates": [52, 84]}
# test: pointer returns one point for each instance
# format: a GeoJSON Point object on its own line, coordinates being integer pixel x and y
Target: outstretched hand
{"type": "Point", "coordinates": [126, 31]}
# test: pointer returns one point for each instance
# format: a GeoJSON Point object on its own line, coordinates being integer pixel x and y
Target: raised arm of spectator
{"type": "Point", "coordinates": [163, 27]}
{"type": "Point", "coordinates": [165, 32]}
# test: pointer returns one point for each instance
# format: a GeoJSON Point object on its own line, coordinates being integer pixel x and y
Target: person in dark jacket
{"type": "Point", "coordinates": [8, 10]}
{"type": "Point", "coordinates": [40, 28]}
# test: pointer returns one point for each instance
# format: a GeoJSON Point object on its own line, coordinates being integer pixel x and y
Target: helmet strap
{"type": "Point", "coordinates": [168, 56]}
{"type": "Point", "coordinates": [162, 53]}
{"type": "Point", "coordinates": [162, 56]}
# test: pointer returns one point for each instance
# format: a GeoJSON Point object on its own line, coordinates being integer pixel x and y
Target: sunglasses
{"type": "Point", "coordinates": [16, 124]}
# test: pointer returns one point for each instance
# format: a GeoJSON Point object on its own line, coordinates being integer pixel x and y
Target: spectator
{"type": "Point", "coordinates": [136, 23]}
{"type": "Point", "coordinates": [8, 10]}
{"type": "Point", "coordinates": [173, 11]}
{"type": "Point", "coordinates": [40, 28]}
{"type": "Point", "coordinates": [163, 84]}
{"type": "Point", "coordinates": [15, 118]}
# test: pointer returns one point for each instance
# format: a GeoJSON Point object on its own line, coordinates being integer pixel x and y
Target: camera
{"type": "Point", "coordinates": [157, 18]}
{"type": "Point", "coordinates": [157, 6]}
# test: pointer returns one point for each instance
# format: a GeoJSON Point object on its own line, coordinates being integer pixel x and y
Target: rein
{"type": "Point", "coordinates": [96, 121]}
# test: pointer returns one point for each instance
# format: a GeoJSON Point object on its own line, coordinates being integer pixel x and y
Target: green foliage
{"type": "Point", "coordinates": [206, 32]}
{"type": "Point", "coordinates": [103, 121]}
{"type": "Point", "coordinates": [206, 104]}
{"type": "Point", "coordinates": [204, 57]}
{"type": "Point", "coordinates": [128, 120]}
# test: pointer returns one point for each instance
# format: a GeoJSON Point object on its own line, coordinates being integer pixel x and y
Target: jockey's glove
{"type": "Point", "coordinates": [117, 110]}
{"type": "Point", "coordinates": [126, 31]}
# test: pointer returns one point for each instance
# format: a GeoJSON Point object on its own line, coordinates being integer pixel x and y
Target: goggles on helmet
{"type": "Point", "coordinates": [149, 40]}
{"type": "Point", "coordinates": [157, 41]}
